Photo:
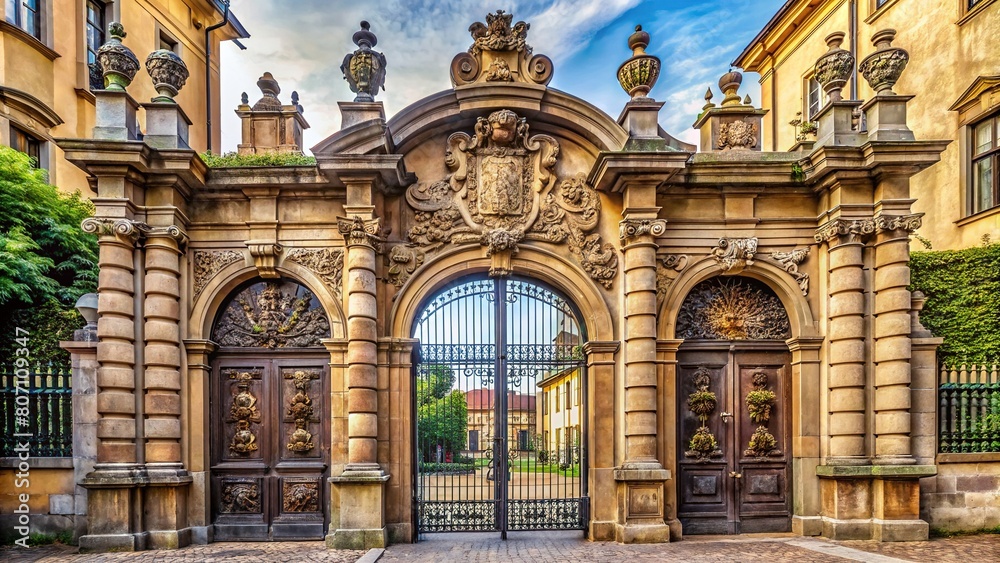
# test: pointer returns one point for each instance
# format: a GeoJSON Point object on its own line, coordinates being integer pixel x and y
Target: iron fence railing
{"type": "Point", "coordinates": [39, 405]}
{"type": "Point", "coordinates": [969, 403]}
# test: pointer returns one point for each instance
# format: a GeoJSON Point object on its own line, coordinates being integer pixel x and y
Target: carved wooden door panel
{"type": "Point", "coordinates": [270, 449]}
{"type": "Point", "coordinates": [733, 437]}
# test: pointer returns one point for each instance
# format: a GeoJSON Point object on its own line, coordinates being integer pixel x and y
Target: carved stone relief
{"type": "Point", "coordinates": [860, 228]}
{"type": "Point", "coordinates": [737, 135]}
{"type": "Point", "coordinates": [244, 413]}
{"type": "Point", "coordinates": [735, 254]}
{"type": "Point", "coordinates": [241, 496]}
{"type": "Point", "coordinates": [272, 314]}
{"type": "Point", "coordinates": [502, 189]}
{"type": "Point", "coordinates": [300, 410]}
{"type": "Point", "coordinates": [300, 496]}
{"type": "Point", "coordinates": [207, 263]}
{"type": "Point", "coordinates": [327, 263]}
{"type": "Point", "coordinates": [790, 263]}
{"type": "Point", "coordinates": [265, 257]}
{"type": "Point", "coordinates": [668, 267]}
{"type": "Point", "coordinates": [732, 309]}
{"type": "Point", "coordinates": [500, 52]}
{"type": "Point", "coordinates": [403, 260]}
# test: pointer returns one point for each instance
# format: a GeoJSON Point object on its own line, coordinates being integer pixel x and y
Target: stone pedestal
{"type": "Point", "coordinates": [641, 506]}
{"type": "Point", "coordinates": [113, 493]}
{"type": "Point", "coordinates": [836, 127]}
{"type": "Point", "coordinates": [269, 126]}
{"type": "Point", "coordinates": [353, 113]}
{"type": "Point", "coordinates": [166, 126]}
{"type": "Point", "coordinates": [164, 501]}
{"type": "Point", "coordinates": [873, 502]}
{"type": "Point", "coordinates": [358, 518]}
{"type": "Point", "coordinates": [83, 355]}
{"type": "Point", "coordinates": [885, 115]}
{"type": "Point", "coordinates": [115, 116]}
{"type": "Point", "coordinates": [731, 127]}
{"type": "Point", "coordinates": [640, 118]}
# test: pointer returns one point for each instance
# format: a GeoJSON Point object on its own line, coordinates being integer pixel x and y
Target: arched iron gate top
{"type": "Point", "coordinates": [499, 391]}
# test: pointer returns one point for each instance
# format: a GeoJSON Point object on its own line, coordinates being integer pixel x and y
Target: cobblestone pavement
{"type": "Point", "coordinates": [562, 547]}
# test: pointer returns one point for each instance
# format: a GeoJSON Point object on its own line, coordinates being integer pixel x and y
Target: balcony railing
{"type": "Point", "coordinates": [969, 403]}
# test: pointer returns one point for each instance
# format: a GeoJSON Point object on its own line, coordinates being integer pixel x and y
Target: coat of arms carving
{"type": "Point", "coordinates": [503, 189]}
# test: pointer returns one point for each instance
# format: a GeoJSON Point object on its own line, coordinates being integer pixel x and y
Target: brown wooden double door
{"type": "Point", "coordinates": [737, 480]}
{"type": "Point", "coordinates": [270, 447]}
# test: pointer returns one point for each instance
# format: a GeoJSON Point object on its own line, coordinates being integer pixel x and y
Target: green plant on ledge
{"type": "Point", "coordinates": [235, 160]}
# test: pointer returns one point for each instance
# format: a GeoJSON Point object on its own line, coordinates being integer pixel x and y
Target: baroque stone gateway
{"type": "Point", "coordinates": [650, 339]}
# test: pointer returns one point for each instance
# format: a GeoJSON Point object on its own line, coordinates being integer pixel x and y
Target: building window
{"type": "Point", "coordinates": [880, 3]}
{"type": "Point", "coordinates": [27, 15]}
{"type": "Point", "coordinates": [167, 42]}
{"type": "Point", "coordinates": [974, 3]}
{"type": "Point", "coordinates": [985, 162]}
{"type": "Point", "coordinates": [815, 98]}
{"type": "Point", "coordinates": [26, 143]}
{"type": "Point", "coordinates": [95, 29]}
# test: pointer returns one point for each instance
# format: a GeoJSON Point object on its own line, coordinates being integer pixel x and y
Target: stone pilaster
{"type": "Point", "coordinates": [196, 443]}
{"type": "Point", "coordinates": [601, 430]}
{"type": "Point", "coordinates": [892, 339]}
{"type": "Point", "coordinates": [166, 495]}
{"type": "Point", "coordinates": [806, 361]}
{"type": "Point", "coordinates": [846, 334]}
{"type": "Point", "coordinates": [83, 358]}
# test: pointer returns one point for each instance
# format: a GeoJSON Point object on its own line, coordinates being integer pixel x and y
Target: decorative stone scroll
{"type": "Point", "coordinates": [631, 228]}
{"type": "Point", "coordinates": [125, 228]}
{"type": "Point", "coordinates": [208, 263]}
{"type": "Point", "coordinates": [500, 52]}
{"type": "Point", "coordinates": [403, 260]}
{"type": "Point", "coordinates": [735, 254]}
{"type": "Point", "coordinates": [502, 189]}
{"type": "Point", "coordinates": [668, 267]}
{"type": "Point", "coordinates": [860, 228]}
{"type": "Point", "coordinates": [272, 314]}
{"type": "Point", "coordinates": [265, 257]}
{"type": "Point", "coordinates": [327, 263]}
{"type": "Point", "coordinates": [790, 263]}
{"type": "Point", "coordinates": [732, 309]}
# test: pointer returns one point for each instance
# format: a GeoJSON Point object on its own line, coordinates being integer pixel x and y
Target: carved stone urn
{"type": "Point", "coordinates": [883, 67]}
{"type": "Point", "coordinates": [169, 73]}
{"type": "Point", "coordinates": [834, 68]}
{"type": "Point", "coordinates": [118, 63]}
{"type": "Point", "coordinates": [729, 83]}
{"type": "Point", "coordinates": [638, 74]}
{"type": "Point", "coordinates": [269, 90]}
{"type": "Point", "coordinates": [364, 69]}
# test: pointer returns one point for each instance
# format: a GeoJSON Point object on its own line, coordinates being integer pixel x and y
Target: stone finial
{"type": "Point", "coordinates": [747, 101]}
{"type": "Point", "coordinates": [730, 85]}
{"type": "Point", "coordinates": [244, 99]}
{"type": "Point", "coordinates": [269, 90]}
{"type": "Point", "coordinates": [883, 67]}
{"type": "Point", "coordinates": [500, 53]}
{"type": "Point", "coordinates": [169, 73]}
{"type": "Point", "coordinates": [118, 63]}
{"type": "Point", "coordinates": [708, 99]}
{"type": "Point", "coordinates": [638, 75]}
{"type": "Point", "coordinates": [835, 67]}
{"type": "Point", "coordinates": [364, 69]}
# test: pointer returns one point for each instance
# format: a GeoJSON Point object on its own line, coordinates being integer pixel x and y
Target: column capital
{"type": "Point", "coordinates": [126, 230]}
{"type": "Point", "coordinates": [852, 230]}
{"type": "Point", "coordinates": [172, 232]}
{"type": "Point", "coordinates": [630, 229]}
{"type": "Point", "coordinates": [358, 231]}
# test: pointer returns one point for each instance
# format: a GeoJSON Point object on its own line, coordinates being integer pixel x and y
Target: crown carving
{"type": "Point", "coordinates": [500, 53]}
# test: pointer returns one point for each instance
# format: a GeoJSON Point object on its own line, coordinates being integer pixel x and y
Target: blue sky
{"type": "Point", "coordinates": [303, 43]}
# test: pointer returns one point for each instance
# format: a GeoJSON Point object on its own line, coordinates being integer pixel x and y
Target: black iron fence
{"type": "Point", "coordinates": [37, 402]}
{"type": "Point", "coordinates": [969, 402]}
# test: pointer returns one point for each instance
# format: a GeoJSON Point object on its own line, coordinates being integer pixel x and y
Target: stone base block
{"type": "Point", "coordinates": [642, 510]}
{"type": "Point", "coordinates": [601, 531]}
{"type": "Point", "coordinates": [642, 533]}
{"type": "Point", "coordinates": [112, 542]}
{"type": "Point", "coordinates": [400, 533]}
{"type": "Point", "coordinates": [807, 525]}
{"type": "Point", "coordinates": [899, 530]}
{"type": "Point", "coordinates": [170, 539]}
{"type": "Point", "coordinates": [836, 529]}
{"type": "Point", "coordinates": [358, 539]}
{"type": "Point", "coordinates": [202, 535]}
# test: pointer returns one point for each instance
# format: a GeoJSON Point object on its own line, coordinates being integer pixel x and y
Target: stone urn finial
{"type": "Point", "coordinates": [638, 74]}
{"type": "Point", "coordinates": [269, 90]}
{"type": "Point", "coordinates": [169, 73]}
{"type": "Point", "coordinates": [364, 69]}
{"type": "Point", "coordinates": [835, 67]}
{"type": "Point", "coordinates": [118, 63]}
{"type": "Point", "coordinates": [730, 86]}
{"type": "Point", "coordinates": [883, 67]}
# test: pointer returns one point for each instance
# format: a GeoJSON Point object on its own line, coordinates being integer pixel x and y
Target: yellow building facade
{"type": "Point", "coordinates": [952, 65]}
{"type": "Point", "coordinates": [46, 47]}
{"type": "Point", "coordinates": [562, 413]}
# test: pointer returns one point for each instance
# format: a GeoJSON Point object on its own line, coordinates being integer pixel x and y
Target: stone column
{"type": "Point", "coordinates": [166, 525]}
{"type": "Point", "coordinates": [892, 339]}
{"type": "Point", "coordinates": [361, 487]}
{"type": "Point", "coordinates": [641, 506]}
{"type": "Point", "coordinates": [846, 378]}
{"type": "Point", "coordinates": [117, 471]}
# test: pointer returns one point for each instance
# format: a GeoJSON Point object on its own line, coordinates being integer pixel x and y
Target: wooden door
{"type": "Point", "coordinates": [270, 447]}
{"type": "Point", "coordinates": [733, 468]}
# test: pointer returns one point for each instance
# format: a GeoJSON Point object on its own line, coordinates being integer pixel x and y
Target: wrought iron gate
{"type": "Point", "coordinates": [500, 409]}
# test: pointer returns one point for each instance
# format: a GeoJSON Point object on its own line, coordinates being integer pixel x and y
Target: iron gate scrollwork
{"type": "Point", "coordinates": [500, 411]}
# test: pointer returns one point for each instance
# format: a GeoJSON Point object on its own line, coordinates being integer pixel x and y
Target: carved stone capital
{"type": "Point", "coordinates": [358, 231]}
{"type": "Point", "coordinates": [172, 232]}
{"type": "Point", "coordinates": [630, 229]}
{"type": "Point", "coordinates": [859, 228]}
{"type": "Point", "coordinates": [125, 229]}
{"type": "Point", "coordinates": [735, 254]}
{"type": "Point", "coordinates": [265, 257]}
{"type": "Point", "coordinates": [327, 263]}
{"type": "Point", "coordinates": [893, 223]}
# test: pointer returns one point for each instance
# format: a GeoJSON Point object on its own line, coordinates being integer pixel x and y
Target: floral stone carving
{"type": "Point", "coordinates": [834, 68]}
{"type": "Point", "coordinates": [883, 67]}
{"type": "Point", "coordinates": [327, 263]}
{"type": "Point", "coordinates": [790, 263]}
{"type": "Point", "coordinates": [500, 52]}
{"type": "Point", "coordinates": [208, 263]}
{"type": "Point", "coordinates": [272, 315]}
{"type": "Point", "coordinates": [243, 412]}
{"type": "Point", "coordinates": [502, 189]}
{"type": "Point", "coordinates": [702, 403]}
{"type": "Point", "coordinates": [404, 259]}
{"type": "Point", "coordinates": [169, 73]}
{"type": "Point", "coordinates": [735, 254]}
{"type": "Point", "coordinates": [668, 267]}
{"type": "Point", "coordinates": [737, 135]}
{"type": "Point", "coordinates": [364, 69]}
{"type": "Point", "coordinates": [733, 309]}
{"type": "Point", "coordinates": [118, 63]}
{"type": "Point", "coordinates": [300, 409]}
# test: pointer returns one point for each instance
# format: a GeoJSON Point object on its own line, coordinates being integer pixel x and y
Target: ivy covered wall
{"type": "Point", "coordinates": [963, 301]}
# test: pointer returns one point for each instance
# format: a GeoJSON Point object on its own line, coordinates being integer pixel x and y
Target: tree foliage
{"type": "Point", "coordinates": [442, 412]}
{"type": "Point", "coordinates": [963, 301]}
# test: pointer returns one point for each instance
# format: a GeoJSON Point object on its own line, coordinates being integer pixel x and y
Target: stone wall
{"type": "Point", "coordinates": [51, 497]}
{"type": "Point", "coordinates": [964, 495]}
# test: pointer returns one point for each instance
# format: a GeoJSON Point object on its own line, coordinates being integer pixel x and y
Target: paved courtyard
{"type": "Point", "coordinates": [564, 547]}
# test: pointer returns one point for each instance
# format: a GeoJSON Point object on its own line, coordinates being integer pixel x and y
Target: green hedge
{"type": "Point", "coordinates": [963, 301]}
{"type": "Point", "coordinates": [427, 467]}
{"type": "Point", "coordinates": [233, 160]}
